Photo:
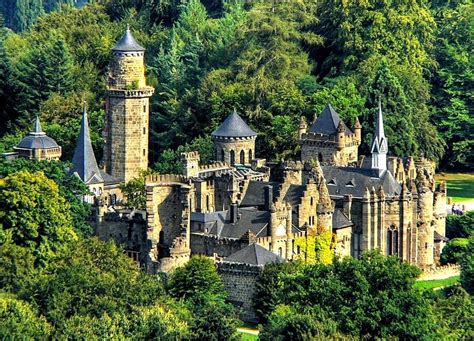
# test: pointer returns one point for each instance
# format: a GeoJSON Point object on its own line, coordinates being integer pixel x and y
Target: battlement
{"type": "Point", "coordinates": [214, 166]}
{"type": "Point", "coordinates": [158, 179]}
{"type": "Point", "coordinates": [190, 156]}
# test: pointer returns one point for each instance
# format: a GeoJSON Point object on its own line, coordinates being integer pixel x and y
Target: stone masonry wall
{"type": "Point", "coordinates": [226, 146]}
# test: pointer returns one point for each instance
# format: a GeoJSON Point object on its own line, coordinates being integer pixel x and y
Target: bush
{"type": "Point", "coordinates": [454, 251]}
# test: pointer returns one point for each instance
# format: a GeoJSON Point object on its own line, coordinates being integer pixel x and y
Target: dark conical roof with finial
{"type": "Point", "coordinates": [234, 126]}
{"type": "Point", "coordinates": [328, 122]}
{"type": "Point", "coordinates": [128, 44]}
{"type": "Point", "coordinates": [37, 139]}
{"type": "Point", "coordinates": [83, 161]}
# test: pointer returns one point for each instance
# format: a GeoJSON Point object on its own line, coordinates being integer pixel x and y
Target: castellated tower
{"type": "Point", "coordinates": [127, 111]}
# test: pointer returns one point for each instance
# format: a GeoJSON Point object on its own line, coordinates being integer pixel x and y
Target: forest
{"type": "Point", "coordinates": [273, 61]}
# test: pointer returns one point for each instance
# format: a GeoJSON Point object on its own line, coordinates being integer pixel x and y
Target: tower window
{"type": "Point", "coordinates": [232, 157]}
{"type": "Point", "coordinates": [242, 157]}
{"type": "Point", "coordinates": [144, 130]}
{"type": "Point", "coordinates": [144, 108]}
{"type": "Point", "coordinates": [144, 152]}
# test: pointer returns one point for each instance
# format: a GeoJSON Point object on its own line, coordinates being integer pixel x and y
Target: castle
{"type": "Point", "coordinates": [241, 209]}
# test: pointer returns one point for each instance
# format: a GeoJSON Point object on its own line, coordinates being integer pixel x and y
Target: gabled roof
{"type": "Point", "coordinates": [128, 44]}
{"type": "Point", "coordinates": [340, 220]}
{"type": "Point", "coordinates": [354, 181]}
{"type": "Point", "coordinates": [234, 126]}
{"type": "Point", "coordinates": [84, 163]}
{"type": "Point", "coordinates": [254, 254]}
{"type": "Point", "coordinates": [37, 139]}
{"type": "Point", "coordinates": [327, 122]}
{"type": "Point", "coordinates": [255, 194]}
{"type": "Point", "coordinates": [249, 219]}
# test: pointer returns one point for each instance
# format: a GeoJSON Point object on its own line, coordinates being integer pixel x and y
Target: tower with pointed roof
{"type": "Point", "coordinates": [84, 163]}
{"type": "Point", "coordinates": [234, 141]}
{"type": "Point", "coordinates": [127, 112]}
{"type": "Point", "coordinates": [329, 140]}
{"type": "Point", "coordinates": [37, 145]}
{"type": "Point", "coordinates": [379, 144]}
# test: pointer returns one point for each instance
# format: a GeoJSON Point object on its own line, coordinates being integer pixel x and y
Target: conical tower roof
{"type": "Point", "coordinates": [84, 162]}
{"type": "Point", "coordinates": [328, 122]}
{"type": "Point", "coordinates": [128, 43]}
{"type": "Point", "coordinates": [234, 126]}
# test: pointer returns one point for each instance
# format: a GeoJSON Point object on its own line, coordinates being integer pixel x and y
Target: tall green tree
{"type": "Point", "coordinates": [34, 215]}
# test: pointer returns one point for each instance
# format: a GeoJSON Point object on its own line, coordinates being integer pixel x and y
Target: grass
{"type": "Point", "coordinates": [437, 283]}
{"type": "Point", "coordinates": [460, 186]}
{"type": "Point", "coordinates": [248, 337]}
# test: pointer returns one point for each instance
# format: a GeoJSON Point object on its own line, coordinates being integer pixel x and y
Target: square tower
{"type": "Point", "coordinates": [127, 111]}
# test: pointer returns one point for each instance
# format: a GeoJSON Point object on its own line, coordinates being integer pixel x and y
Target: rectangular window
{"type": "Point", "coordinates": [144, 130]}
{"type": "Point", "coordinates": [144, 152]}
{"type": "Point", "coordinates": [144, 108]}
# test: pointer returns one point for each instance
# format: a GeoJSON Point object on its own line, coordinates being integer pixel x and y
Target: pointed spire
{"type": "Point", "coordinates": [357, 124]}
{"type": "Point", "coordinates": [379, 144]}
{"type": "Point", "coordinates": [37, 130]}
{"type": "Point", "coordinates": [128, 43]}
{"type": "Point", "coordinates": [84, 162]}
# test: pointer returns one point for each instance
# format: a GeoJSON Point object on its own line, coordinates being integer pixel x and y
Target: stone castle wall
{"type": "Point", "coordinates": [240, 282]}
{"type": "Point", "coordinates": [127, 70]}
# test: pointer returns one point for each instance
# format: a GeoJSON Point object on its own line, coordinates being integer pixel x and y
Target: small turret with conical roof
{"type": "Point", "coordinates": [234, 141]}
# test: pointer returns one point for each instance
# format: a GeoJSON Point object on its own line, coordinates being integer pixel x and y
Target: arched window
{"type": "Point", "coordinates": [280, 252]}
{"type": "Point", "coordinates": [298, 249]}
{"type": "Point", "coordinates": [320, 157]}
{"type": "Point", "coordinates": [250, 155]}
{"type": "Point", "coordinates": [207, 202]}
{"type": "Point", "coordinates": [312, 201]}
{"type": "Point", "coordinates": [392, 241]}
{"type": "Point", "coordinates": [222, 155]}
{"type": "Point", "coordinates": [242, 157]}
{"type": "Point", "coordinates": [232, 158]}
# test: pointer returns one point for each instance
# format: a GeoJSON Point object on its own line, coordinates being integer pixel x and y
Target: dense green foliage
{"type": "Point", "coordinates": [70, 187]}
{"type": "Point", "coordinates": [467, 267]}
{"type": "Point", "coordinates": [460, 226]}
{"type": "Point", "coordinates": [272, 61]}
{"type": "Point", "coordinates": [373, 296]}
{"type": "Point", "coordinates": [454, 251]}
{"type": "Point", "coordinates": [199, 285]}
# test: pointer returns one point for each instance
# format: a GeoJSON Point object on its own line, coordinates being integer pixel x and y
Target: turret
{"type": "Point", "coordinates": [341, 135]}
{"type": "Point", "coordinates": [379, 145]}
{"type": "Point", "coordinates": [190, 163]}
{"type": "Point", "coordinates": [358, 130]}
{"type": "Point", "coordinates": [302, 127]}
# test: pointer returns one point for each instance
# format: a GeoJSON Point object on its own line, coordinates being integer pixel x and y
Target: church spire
{"type": "Point", "coordinates": [379, 144]}
{"type": "Point", "coordinates": [84, 162]}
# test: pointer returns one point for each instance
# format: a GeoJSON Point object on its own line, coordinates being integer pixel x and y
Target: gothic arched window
{"type": "Point", "coordinates": [392, 240]}
{"type": "Point", "coordinates": [250, 155]}
{"type": "Point", "coordinates": [242, 157]}
{"type": "Point", "coordinates": [232, 157]}
{"type": "Point", "coordinates": [222, 155]}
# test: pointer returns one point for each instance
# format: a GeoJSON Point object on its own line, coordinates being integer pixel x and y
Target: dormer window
{"type": "Point", "coordinates": [351, 183]}
{"type": "Point", "coordinates": [332, 182]}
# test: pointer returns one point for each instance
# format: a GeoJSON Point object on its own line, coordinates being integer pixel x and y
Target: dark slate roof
{"type": "Point", "coordinates": [439, 238]}
{"type": "Point", "coordinates": [109, 179]}
{"type": "Point", "coordinates": [255, 194]}
{"type": "Point", "coordinates": [128, 44]}
{"type": "Point", "coordinates": [340, 220]}
{"type": "Point", "coordinates": [327, 122]}
{"type": "Point", "coordinates": [37, 139]}
{"type": "Point", "coordinates": [249, 219]}
{"type": "Point", "coordinates": [294, 194]}
{"type": "Point", "coordinates": [354, 181]}
{"type": "Point", "coordinates": [254, 254]}
{"type": "Point", "coordinates": [234, 126]}
{"type": "Point", "coordinates": [84, 163]}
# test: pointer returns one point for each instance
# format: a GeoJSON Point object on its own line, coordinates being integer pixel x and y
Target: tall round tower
{"type": "Point", "coordinates": [127, 112]}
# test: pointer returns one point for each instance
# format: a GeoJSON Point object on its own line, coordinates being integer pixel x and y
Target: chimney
{"type": "Point", "coordinates": [268, 192]}
{"type": "Point", "coordinates": [234, 213]}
